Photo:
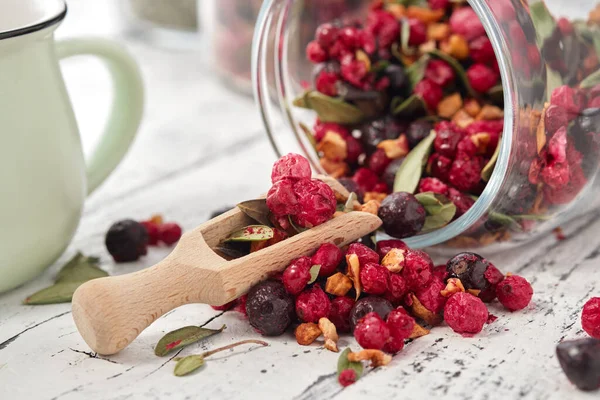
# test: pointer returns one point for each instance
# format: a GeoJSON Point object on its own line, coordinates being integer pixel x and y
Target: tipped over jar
{"type": "Point", "coordinates": [471, 123]}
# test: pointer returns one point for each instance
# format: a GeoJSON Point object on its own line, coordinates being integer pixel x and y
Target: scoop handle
{"type": "Point", "coordinates": [111, 312]}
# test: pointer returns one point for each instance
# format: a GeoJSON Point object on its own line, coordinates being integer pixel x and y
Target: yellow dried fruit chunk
{"type": "Point", "coordinates": [354, 272]}
{"type": "Point", "coordinates": [377, 357]}
{"type": "Point", "coordinates": [307, 333]}
{"type": "Point", "coordinates": [338, 284]}
{"type": "Point", "coordinates": [394, 260]}
{"type": "Point", "coordinates": [420, 311]}
{"type": "Point", "coordinates": [333, 146]}
{"type": "Point", "coordinates": [454, 285]}
{"type": "Point", "coordinates": [330, 334]}
{"type": "Point", "coordinates": [450, 105]}
{"type": "Point", "coordinates": [371, 207]}
{"type": "Point", "coordinates": [395, 148]}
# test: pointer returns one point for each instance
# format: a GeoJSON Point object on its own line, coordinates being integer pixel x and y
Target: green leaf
{"type": "Point", "coordinates": [408, 175]}
{"type": "Point", "coordinates": [591, 80]}
{"type": "Point", "coordinates": [61, 292]}
{"type": "Point", "coordinates": [405, 37]}
{"type": "Point", "coordinates": [439, 208]}
{"type": "Point", "coordinates": [380, 66]}
{"type": "Point", "coordinates": [343, 364]}
{"type": "Point", "coordinates": [496, 95]}
{"type": "Point", "coordinates": [314, 273]}
{"type": "Point", "coordinates": [80, 269]}
{"type": "Point", "coordinates": [416, 72]}
{"type": "Point", "coordinates": [458, 68]}
{"type": "Point", "coordinates": [183, 337]}
{"type": "Point", "coordinates": [257, 210]}
{"type": "Point", "coordinates": [349, 206]}
{"type": "Point", "coordinates": [330, 109]}
{"type": "Point", "coordinates": [543, 21]}
{"type": "Point", "coordinates": [505, 220]}
{"type": "Point", "coordinates": [532, 217]}
{"type": "Point", "coordinates": [553, 81]}
{"type": "Point", "coordinates": [251, 233]}
{"type": "Point", "coordinates": [188, 364]}
{"type": "Point", "coordinates": [413, 105]}
{"type": "Point", "coordinates": [486, 172]}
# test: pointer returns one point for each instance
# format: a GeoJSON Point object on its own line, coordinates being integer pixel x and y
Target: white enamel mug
{"type": "Point", "coordinates": [44, 178]}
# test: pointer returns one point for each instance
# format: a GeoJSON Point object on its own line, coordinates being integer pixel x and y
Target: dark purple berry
{"type": "Point", "coordinates": [589, 120]}
{"type": "Point", "coordinates": [389, 175]}
{"type": "Point", "coordinates": [580, 360]}
{"type": "Point", "coordinates": [270, 308]}
{"type": "Point", "coordinates": [418, 131]}
{"type": "Point", "coordinates": [396, 75]}
{"type": "Point", "coordinates": [366, 305]}
{"type": "Point", "coordinates": [379, 130]}
{"type": "Point", "coordinates": [475, 272]}
{"type": "Point", "coordinates": [402, 215]}
{"type": "Point", "coordinates": [126, 240]}
{"type": "Point", "coordinates": [351, 186]}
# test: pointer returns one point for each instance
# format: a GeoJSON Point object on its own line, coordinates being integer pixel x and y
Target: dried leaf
{"type": "Point", "coordinates": [330, 109]}
{"type": "Point", "coordinates": [505, 220]}
{"type": "Point", "coordinates": [405, 38]}
{"type": "Point", "coordinates": [80, 269]}
{"type": "Point", "coordinates": [182, 337]}
{"type": "Point", "coordinates": [314, 273]}
{"type": "Point", "coordinates": [251, 233]}
{"type": "Point", "coordinates": [592, 80]}
{"type": "Point", "coordinates": [543, 21]}
{"type": "Point", "coordinates": [416, 72]}
{"type": "Point", "coordinates": [413, 105]}
{"type": "Point", "coordinates": [486, 172]}
{"type": "Point", "coordinates": [553, 80]}
{"type": "Point", "coordinates": [257, 210]}
{"type": "Point", "coordinates": [344, 364]}
{"type": "Point", "coordinates": [458, 68]}
{"type": "Point", "coordinates": [61, 292]}
{"type": "Point", "coordinates": [349, 206]}
{"type": "Point", "coordinates": [354, 272]}
{"type": "Point", "coordinates": [408, 175]}
{"type": "Point", "coordinates": [188, 364]}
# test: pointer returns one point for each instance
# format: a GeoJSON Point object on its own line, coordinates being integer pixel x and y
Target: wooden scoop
{"type": "Point", "coordinates": [111, 312]}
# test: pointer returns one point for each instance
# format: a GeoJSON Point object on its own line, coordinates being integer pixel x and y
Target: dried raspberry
{"type": "Point", "coordinates": [439, 272]}
{"type": "Point", "coordinates": [371, 332]}
{"type": "Point", "coordinates": [439, 72]}
{"type": "Point", "coordinates": [326, 34]}
{"type": "Point", "coordinates": [281, 199]}
{"type": "Point", "coordinates": [374, 278]}
{"type": "Point", "coordinates": [439, 166]}
{"type": "Point", "coordinates": [448, 137]}
{"type": "Point", "coordinates": [590, 317]}
{"type": "Point", "coordinates": [397, 289]}
{"type": "Point", "coordinates": [383, 26]}
{"type": "Point", "coordinates": [430, 295]}
{"type": "Point", "coordinates": [418, 32]}
{"type": "Point", "coordinates": [432, 185]}
{"type": "Point", "coordinates": [354, 71]}
{"type": "Point", "coordinates": [418, 269]}
{"type": "Point", "coordinates": [384, 246]}
{"type": "Point", "coordinates": [556, 118]}
{"type": "Point", "coordinates": [316, 203]}
{"type": "Point", "coordinates": [312, 304]}
{"type": "Point", "coordinates": [393, 345]}
{"type": "Point", "coordinates": [481, 50]}
{"type": "Point", "coordinates": [566, 194]}
{"type": "Point", "coordinates": [491, 126]}
{"type": "Point", "coordinates": [463, 202]}
{"type": "Point", "coordinates": [430, 92]}
{"type": "Point", "coordinates": [366, 179]}
{"type": "Point", "coordinates": [365, 255]}
{"type": "Point", "coordinates": [465, 313]}
{"type": "Point", "coordinates": [466, 148]}
{"type": "Point", "coordinates": [297, 275]}
{"type": "Point", "coordinates": [572, 100]}
{"type": "Point", "coordinates": [328, 256]}
{"type": "Point", "coordinates": [339, 313]}
{"type": "Point", "coordinates": [556, 175]}
{"type": "Point", "coordinates": [347, 377]}
{"type": "Point", "coordinates": [367, 42]}
{"type": "Point", "coordinates": [514, 292]}
{"type": "Point", "coordinates": [290, 166]}
{"type": "Point", "coordinates": [378, 161]}
{"type": "Point", "coordinates": [326, 83]}
{"type": "Point", "coordinates": [321, 128]}
{"type": "Point", "coordinates": [465, 22]}
{"type": "Point", "coordinates": [481, 77]}
{"type": "Point", "coordinates": [169, 233]}
{"type": "Point", "coordinates": [349, 37]}
{"type": "Point", "coordinates": [354, 149]}
{"type": "Point", "coordinates": [381, 187]}
{"type": "Point", "coordinates": [438, 4]}
{"type": "Point", "coordinates": [315, 53]}
{"type": "Point", "coordinates": [400, 323]}
{"type": "Point", "coordinates": [152, 229]}
{"type": "Point", "coordinates": [465, 174]}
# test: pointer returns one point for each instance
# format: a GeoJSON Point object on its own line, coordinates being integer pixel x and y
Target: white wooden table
{"type": "Point", "coordinates": [202, 147]}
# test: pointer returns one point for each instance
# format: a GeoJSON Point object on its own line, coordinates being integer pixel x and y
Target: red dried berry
{"type": "Point", "coordinates": [384, 246]}
{"type": "Point", "coordinates": [463, 202]}
{"type": "Point", "coordinates": [316, 203]}
{"type": "Point", "coordinates": [439, 166]}
{"type": "Point", "coordinates": [393, 345]}
{"type": "Point", "coordinates": [397, 289]}
{"type": "Point", "coordinates": [365, 178]}
{"type": "Point", "coordinates": [400, 323]}
{"type": "Point", "coordinates": [481, 77]}
{"type": "Point", "coordinates": [365, 255]}
{"type": "Point", "coordinates": [439, 272]}
{"type": "Point", "coordinates": [347, 377]}
{"type": "Point", "coordinates": [481, 50]}
{"type": "Point", "coordinates": [328, 256]}
{"type": "Point", "coordinates": [297, 275]}
{"type": "Point", "coordinates": [374, 278]}
{"type": "Point", "coordinates": [326, 83]}
{"type": "Point", "coordinates": [383, 26]}
{"type": "Point", "coordinates": [371, 332]}
{"type": "Point", "coordinates": [349, 37]}
{"type": "Point", "coordinates": [418, 32]}
{"type": "Point", "coordinates": [312, 304]}
{"type": "Point", "coordinates": [491, 126]}
{"type": "Point", "coordinates": [556, 118]}
{"type": "Point", "coordinates": [381, 187]}
{"type": "Point", "coordinates": [439, 72]}
{"type": "Point", "coordinates": [290, 166]}
{"type": "Point", "coordinates": [565, 26]}
{"type": "Point", "coordinates": [326, 34]}
{"type": "Point", "coordinates": [590, 317]}
{"type": "Point", "coordinates": [430, 295]}
{"type": "Point", "coordinates": [354, 149]}
{"type": "Point", "coordinates": [378, 161]}
{"type": "Point", "coordinates": [432, 185]}
{"type": "Point", "coordinates": [465, 174]}
{"type": "Point", "coordinates": [169, 233]}
{"type": "Point", "coordinates": [241, 305]}
{"type": "Point", "coordinates": [572, 100]}
{"type": "Point", "coordinates": [321, 128]}
{"type": "Point", "coordinates": [339, 313]}
{"type": "Point", "coordinates": [353, 70]}
{"type": "Point", "coordinates": [438, 4]}
{"type": "Point", "coordinates": [447, 139]}
{"type": "Point", "coordinates": [557, 146]}
{"type": "Point", "coordinates": [315, 53]}
{"type": "Point", "coordinates": [153, 232]}
{"type": "Point", "coordinates": [465, 22]}
{"type": "Point", "coordinates": [224, 307]}
{"type": "Point", "coordinates": [430, 92]}
{"type": "Point", "coordinates": [418, 269]}
{"type": "Point", "coordinates": [466, 148]}
{"type": "Point", "coordinates": [514, 292]}
{"type": "Point", "coordinates": [281, 198]}
{"type": "Point", "coordinates": [465, 313]}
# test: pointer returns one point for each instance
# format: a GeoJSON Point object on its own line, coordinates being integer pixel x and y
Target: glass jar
{"type": "Point", "coordinates": [546, 161]}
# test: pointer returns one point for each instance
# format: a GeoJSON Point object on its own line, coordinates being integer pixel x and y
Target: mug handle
{"type": "Point", "coordinates": [127, 106]}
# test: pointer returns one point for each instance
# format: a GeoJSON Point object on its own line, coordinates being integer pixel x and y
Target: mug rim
{"type": "Point", "coordinates": [38, 26]}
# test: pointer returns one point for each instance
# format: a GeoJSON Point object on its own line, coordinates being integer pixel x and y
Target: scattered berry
{"type": "Point", "coordinates": [126, 240]}
{"type": "Point", "coordinates": [169, 233]}
{"type": "Point", "coordinates": [402, 215]}
{"type": "Point", "coordinates": [153, 231]}
{"type": "Point", "coordinates": [465, 313]}
{"type": "Point", "coordinates": [590, 317]}
{"type": "Point", "coordinates": [290, 166]}
{"type": "Point", "coordinates": [400, 323]}
{"type": "Point", "coordinates": [580, 361]}
{"type": "Point", "coordinates": [372, 332]}
{"type": "Point", "coordinates": [269, 308]}
{"type": "Point", "coordinates": [514, 293]}
{"type": "Point", "coordinates": [365, 255]}
{"type": "Point", "coordinates": [418, 269]}
{"type": "Point", "coordinates": [347, 377]}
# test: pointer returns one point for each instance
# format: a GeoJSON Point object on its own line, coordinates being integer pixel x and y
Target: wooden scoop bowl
{"type": "Point", "coordinates": [111, 312]}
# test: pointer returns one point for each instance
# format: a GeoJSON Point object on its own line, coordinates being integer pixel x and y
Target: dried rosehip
{"type": "Point", "coordinates": [297, 275]}
{"type": "Point", "coordinates": [372, 332]}
{"type": "Point", "coordinates": [384, 246]}
{"type": "Point", "coordinates": [312, 304]}
{"type": "Point", "coordinates": [590, 317]}
{"type": "Point", "coordinates": [430, 92]}
{"type": "Point", "coordinates": [339, 313]}
{"type": "Point", "coordinates": [465, 22]}
{"type": "Point", "coordinates": [316, 203]}
{"type": "Point", "coordinates": [292, 166]}
{"type": "Point", "coordinates": [580, 361]}
{"type": "Point", "coordinates": [432, 185]}
{"type": "Point", "coordinates": [514, 292]}
{"type": "Point", "coordinates": [475, 272]}
{"type": "Point", "coordinates": [465, 313]}
{"type": "Point", "coordinates": [126, 240]}
{"type": "Point", "coordinates": [364, 253]}
{"type": "Point", "coordinates": [328, 256]}
{"type": "Point", "coordinates": [368, 305]}
{"type": "Point", "coordinates": [439, 72]}
{"type": "Point", "coordinates": [374, 278]}
{"type": "Point", "coordinates": [418, 269]}
{"type": "Point", "coordinates": [269, 308]}
{"type": "Point", "coordinates": [481, 77]}
{"type": "Point", "coordinates": [402, 215]}
{"type": "Point", "coordinates": [169, 233]}
{"type": "Point", "coordinates": [347, 377]}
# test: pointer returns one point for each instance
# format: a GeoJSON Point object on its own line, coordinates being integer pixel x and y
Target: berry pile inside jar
{"type": "Point", "coordinates": [383, 293]}
{"type": "Point", "coordinates": [409, 106]}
